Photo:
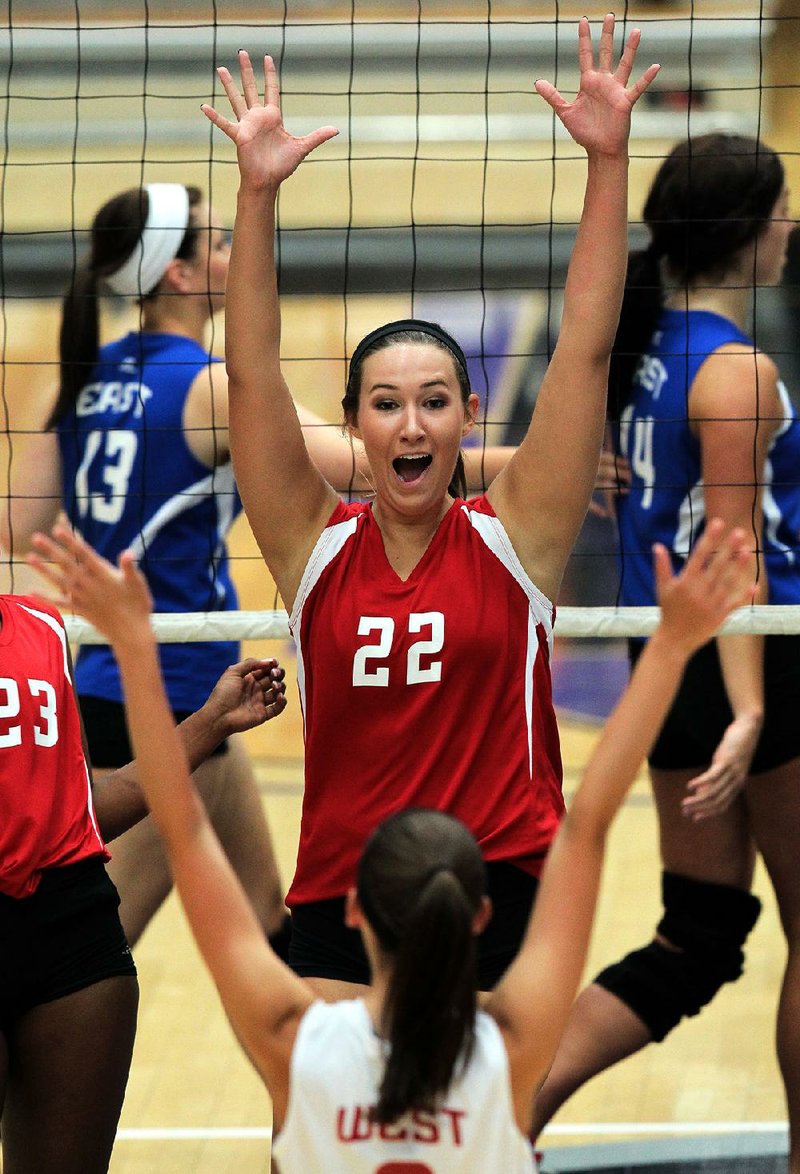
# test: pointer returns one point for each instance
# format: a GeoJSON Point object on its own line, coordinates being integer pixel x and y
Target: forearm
{"type": "Point", "coordinates": [162, 769]}
{"type": "Point", "coordinates": [119, 800]}
{"type": "Point", "coordinates": [34, 498]}
{"type": "Point", "coordinates": [259, 399]}
{"type": "Point", "coordinates": [741, 661]}
{"type": "Point", "coordinates": [252, 309]}
{"type": "Point", "coordinates": [339, 459]}
{"type": "Point", "coordinates": [631, 730]}
{"type": "Point", "coordinates": [596, 275]}
{"type": "Point", "coordinates": [741, 658]}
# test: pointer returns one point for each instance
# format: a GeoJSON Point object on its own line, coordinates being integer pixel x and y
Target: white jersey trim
{"type": "Point", "coordinates": [58, 628]}
{"type": "Point", "coordinates": [53, 623]}
{"type": "Point", "coordinates": [692, 511]}
{"type": "Point", "coordinates": [772, 514]}
{"type": "Point", "coordinates": [496, 538]}
{"type": "Point", "coordinates": [327, 546]}
{"type": "Point", "coordinates": [218, 484]}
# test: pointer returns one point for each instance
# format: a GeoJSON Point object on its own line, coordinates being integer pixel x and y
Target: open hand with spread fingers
{"type": "Point", "coordinates": [715, 580]}
{"type": "Point", "coordinates": [599, 117]}
{"type": "Point", "coordinates": [116, 600]}
{"type": "Point", "coordinates": [266, 152]}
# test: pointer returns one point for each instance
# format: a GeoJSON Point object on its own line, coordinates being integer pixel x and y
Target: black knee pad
{"type": "Point", "coordinates": [708, 925]}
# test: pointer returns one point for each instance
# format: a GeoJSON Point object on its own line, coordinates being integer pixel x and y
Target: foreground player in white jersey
{"type": "Point", "coordinates": [413, 1075]}
{"type": "Point", "coordinates": [409, 609]}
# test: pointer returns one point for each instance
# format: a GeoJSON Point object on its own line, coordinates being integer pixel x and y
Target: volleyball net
{"type": "Point", "coordinates": [451, 193]}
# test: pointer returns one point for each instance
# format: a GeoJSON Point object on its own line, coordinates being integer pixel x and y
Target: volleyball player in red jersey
{"type": "Point", "coordinates": [68, 987]}
{"type": "Point", "coordinates": [441, 609]}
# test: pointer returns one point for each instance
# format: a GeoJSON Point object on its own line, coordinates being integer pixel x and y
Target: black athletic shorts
{"type": "Point", "coordinates": [66, 936]}
{"type": "Point", "coordinates": [107, 732]}
{"type": "Point", "coordinates": [700, 713]}
{"type": "Point", "coordinates": [322, 946]}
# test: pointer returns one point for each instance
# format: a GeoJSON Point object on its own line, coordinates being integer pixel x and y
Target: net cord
{"type": "Point", "coordinates": [577, 622]}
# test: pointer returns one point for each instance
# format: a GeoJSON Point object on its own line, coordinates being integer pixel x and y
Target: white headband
{"type": "Point", "coordinates": [164, 230]}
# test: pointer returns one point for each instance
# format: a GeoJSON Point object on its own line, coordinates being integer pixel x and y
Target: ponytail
{"type": "Point", "coordinates": [431, 1001]}
{"type": "Point", "coordinates": [641, 305]}
{"type": "Point", "coordinates": [421, 882]}
{"type": "Point", "coordinates": [78, 340]}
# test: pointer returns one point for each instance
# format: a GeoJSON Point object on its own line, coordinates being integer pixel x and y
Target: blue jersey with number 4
{"type": "Point", "coordinates": [666, 503]}
{"type": "Point", "coordinates": [131, 481]}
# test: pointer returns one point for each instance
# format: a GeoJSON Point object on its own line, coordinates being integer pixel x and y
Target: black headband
{"type": "Point", "coordinates": [409, 324]}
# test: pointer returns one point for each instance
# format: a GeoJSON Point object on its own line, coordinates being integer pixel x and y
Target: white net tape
{"type": "Point", "coordinates": [179, 628]}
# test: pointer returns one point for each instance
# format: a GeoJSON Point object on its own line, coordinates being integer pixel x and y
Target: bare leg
{"type": "Point", "coordinates": [602, 1030]}
{"type": "Point", "coordinates": [68, 1064]}
{"type": "Point", "coordinates": [139, 866]}
{"type": "Point", "coordinates": [773, 801]}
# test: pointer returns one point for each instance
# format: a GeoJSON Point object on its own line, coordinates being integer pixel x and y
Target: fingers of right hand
{"type": "Point", "coordinates": [237, 101]}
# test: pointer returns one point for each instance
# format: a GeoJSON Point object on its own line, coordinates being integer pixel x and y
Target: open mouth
{"type": "Point", "coordinates": [410, 469]}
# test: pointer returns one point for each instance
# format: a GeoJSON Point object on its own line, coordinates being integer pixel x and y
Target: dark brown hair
{"type": "Point", "coordinates": [116, 230]}
{"type": "Point", "coordinates": [712, 195]}
{"type": "Point", "coordinates": [421, 880]}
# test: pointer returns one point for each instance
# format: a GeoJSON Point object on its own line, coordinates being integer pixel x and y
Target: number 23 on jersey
{"type": "Point", "coordinates": [11, 733]}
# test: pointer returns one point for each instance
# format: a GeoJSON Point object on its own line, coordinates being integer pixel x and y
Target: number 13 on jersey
{"type": "Point", "coordinates": [419, 667]}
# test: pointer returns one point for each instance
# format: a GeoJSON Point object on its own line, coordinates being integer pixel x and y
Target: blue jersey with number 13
{"type": "Point", "coordinates": [131, 481]}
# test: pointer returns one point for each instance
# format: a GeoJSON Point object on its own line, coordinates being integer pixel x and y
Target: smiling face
{"type": "Point", "coordinates": [412, 418]}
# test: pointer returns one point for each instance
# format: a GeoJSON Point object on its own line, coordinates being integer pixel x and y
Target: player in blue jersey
{"type": "Point", "coordinates": [136, 448]}
{"type": "Point", "coordinates": [707, 429]}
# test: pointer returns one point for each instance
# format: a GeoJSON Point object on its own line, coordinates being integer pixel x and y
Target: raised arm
{"type": "Point", "coordinates": [543, 494]}
{"type": "Point", "coordinates": [263, 999]}
{"type": "Point", "coordinates": [532, 1001]}
{"type": "Point", "coordinates": [286, 498]}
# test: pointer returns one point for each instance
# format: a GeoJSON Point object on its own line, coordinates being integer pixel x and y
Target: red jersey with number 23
{"type": "Point", "coordinates": [46, 814]}
{"type": "Point", "coordinates": [433, 691]}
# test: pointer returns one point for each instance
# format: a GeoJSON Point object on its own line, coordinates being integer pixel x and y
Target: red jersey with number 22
{"type": "Point", "coordinates": [432, 691]}
{"type": "Point", "coordinates": [46, 814]}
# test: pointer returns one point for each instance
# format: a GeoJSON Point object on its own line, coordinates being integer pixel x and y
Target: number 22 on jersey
{"type": "Point", "coordinates": [419, 668]}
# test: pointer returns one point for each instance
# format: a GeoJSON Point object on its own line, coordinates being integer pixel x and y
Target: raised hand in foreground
{"type": "Point", "coordinates": [117, 601]}
{"type": "Point", "coordinates": [599, 116]}
{"type": "Point", "coordinates": [266, 152]}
